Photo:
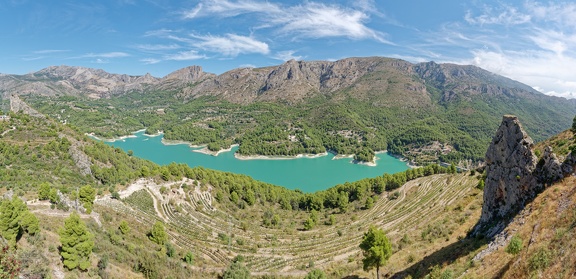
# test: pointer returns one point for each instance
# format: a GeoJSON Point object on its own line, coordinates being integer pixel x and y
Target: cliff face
{"type": "Point", "coordinates": [510, 164]}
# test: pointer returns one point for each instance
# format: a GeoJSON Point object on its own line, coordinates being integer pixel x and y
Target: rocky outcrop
{"type": "Point", "coordinates": [568, 165]}
{"type": "Point", "coordinates": [510, 181]}
{"type": "Point", "coordinates": [82, 161]}
{"type": "Point", "coordinates": [17, 105]}
{"type": "Point", "coordinates": [513, 178]}
{"type": "Point", "coordinates": [549, 168]}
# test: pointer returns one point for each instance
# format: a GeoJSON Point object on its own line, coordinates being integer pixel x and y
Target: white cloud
{"type": "Point", "coordinates": [503, 15]}
{"type": "Point", "coordinates": [192, 13]}
{"type": "Point", "coordinates": [33, 58]}
{"type": "Point", "coordinates": [158, 47]}
{"type": "Point", "coordinates": [184, 55]}
{"type": "Point", "coordinates": [105, 55]}
{"type": "Point", "coordinates": [101, 61]}
{"type": "Point", "coordinates": [318, 20]}
{"type": "Point", "coordinates": [309, 20]}
{"type": "Point", "coordinates": [231, 44]}
{"type": "Point", "coordinates": [49, 51]}
{"type": "Point", "coordinates": [150, 60]}
{"type": "Point", "coordinates": [247, 66]}
{"type": "Point", "coordinates": [562, 13]}
{"type": "Point", "coordinates": [227, 8]}
{"type": "Point", "coordinates": [287, 55]}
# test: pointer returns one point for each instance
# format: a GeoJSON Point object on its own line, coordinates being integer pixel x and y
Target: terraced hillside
{"type": "Point", "coordinates": [195, 220]}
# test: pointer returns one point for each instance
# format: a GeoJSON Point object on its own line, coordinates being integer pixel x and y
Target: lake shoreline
{"type": "Point", "coordinates": [93, 135]}
{"type": "Point", "coordinates": [318, 173]}
{"type": "Point", "coordinates": [268, 157]}
{"type": "Point", "coordinates": [203, 149]}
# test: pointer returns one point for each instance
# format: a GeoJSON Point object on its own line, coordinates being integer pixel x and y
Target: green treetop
{"type": "Point", "coordinates": [77, 243]}
{"type": "Point", "coordinates": [87, 194]}
{"type": "Point", "coordinates": [15, 219]}
{"type": "Point", "coordinates": [157, 234]}
{"type": "Point", "coordinates": [377, 249]}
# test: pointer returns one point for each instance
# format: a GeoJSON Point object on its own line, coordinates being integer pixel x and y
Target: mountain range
{"type": "Point", "coordinates": [383, 103]}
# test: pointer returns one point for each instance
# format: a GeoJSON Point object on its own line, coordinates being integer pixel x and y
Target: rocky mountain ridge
{"type": "Point", "coordinates": [94, 83]}
{"type": "Point", "coordinates": [374, 78]}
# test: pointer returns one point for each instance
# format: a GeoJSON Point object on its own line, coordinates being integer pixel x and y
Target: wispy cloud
{"type": "Point", "coordinates": [287, 55]}
{"type": "Point", "coordinates": [157, 47]}
{"type": "Point", "coordinates": [101, 61]}
{"type": "Point", "coordinates": [247, 66]}
{"type": "Point", "coordinates": [49, 51]}
{"type": "Point", "coordinates": [227, 8]}
{"type": "Point", "coordinates": [105, 55]}
{"type": "Point", "coordinates": [150, 60]}
{"type": "Point", "coordinates": [506, 15]}
{"type": "Point", "coordinates": [184, 55]}
{"type": "Point", "coordinates": [33, 58]}
{"type": "Point", "coordinates": [231, 44]}
{"type": "Point", "coordinates": [308, 20]}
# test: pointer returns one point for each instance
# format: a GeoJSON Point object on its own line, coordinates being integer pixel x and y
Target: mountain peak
{"type": "Point", "coordinates": [188, 74]}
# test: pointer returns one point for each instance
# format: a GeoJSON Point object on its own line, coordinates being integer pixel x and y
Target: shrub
{"type": "Point", "coordinates": [541, 259]}
{"type": "Point", "coordinates": [316, 274]}
{"type": "Point", "coordinates": [189, 258]}
{"type": "Point", "coordinates": [515, 245]}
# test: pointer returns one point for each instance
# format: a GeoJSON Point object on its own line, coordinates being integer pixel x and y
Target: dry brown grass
{"type": "Point", "coordinates": [548, 225]}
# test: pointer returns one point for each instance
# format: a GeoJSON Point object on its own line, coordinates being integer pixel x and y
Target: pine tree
{"type": "Point", "coordinates": [157, 234]}
{"type": "Point", "coordinates": [377, 249]}
{"type": "Point", "coordinates": [15, 219]}
{"type": "Point", "coordinates": [77, 243]}
{"type": "Point", "coordinates": [44, 191]}
{"type": "Point", "coordinates": [87, 194]}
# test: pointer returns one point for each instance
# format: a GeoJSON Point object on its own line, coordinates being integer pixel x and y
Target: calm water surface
{"type": "Point", "coordinates": [306, 174]}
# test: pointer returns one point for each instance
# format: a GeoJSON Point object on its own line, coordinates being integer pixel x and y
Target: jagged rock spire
{"type": "Point", "coordinates": [510, 164]}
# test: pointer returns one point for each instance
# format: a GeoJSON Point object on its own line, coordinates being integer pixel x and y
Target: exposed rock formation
{"type": "Point", "coordinates": [16, 105]}
{"type": "Point", "coordinates": [510, 164]}
{"type": "Point", "coordinates": [80, 158]}
{"type": "Point", "coordinates": [568, 165]}
{"type": "Point", "coordinates": [549, 168]}
{"type": "Point", "coordinates": [513, 177]}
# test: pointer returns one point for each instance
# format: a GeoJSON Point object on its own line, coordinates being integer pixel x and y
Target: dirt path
{"type": "Point", "coordinates": [65, 214]}
{"type": "Point", "coordinates": [6, 132]}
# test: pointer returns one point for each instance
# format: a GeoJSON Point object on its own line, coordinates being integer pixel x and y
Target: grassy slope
{"type": "Point", "coordinates": [546, 227]}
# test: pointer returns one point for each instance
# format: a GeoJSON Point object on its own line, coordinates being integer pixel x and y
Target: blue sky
{"type": "Point", "coordinates": [530, 41]}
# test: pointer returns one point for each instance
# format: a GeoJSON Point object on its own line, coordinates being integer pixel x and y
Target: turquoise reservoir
{"type": "Point", "coordinates": [306, 174]}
